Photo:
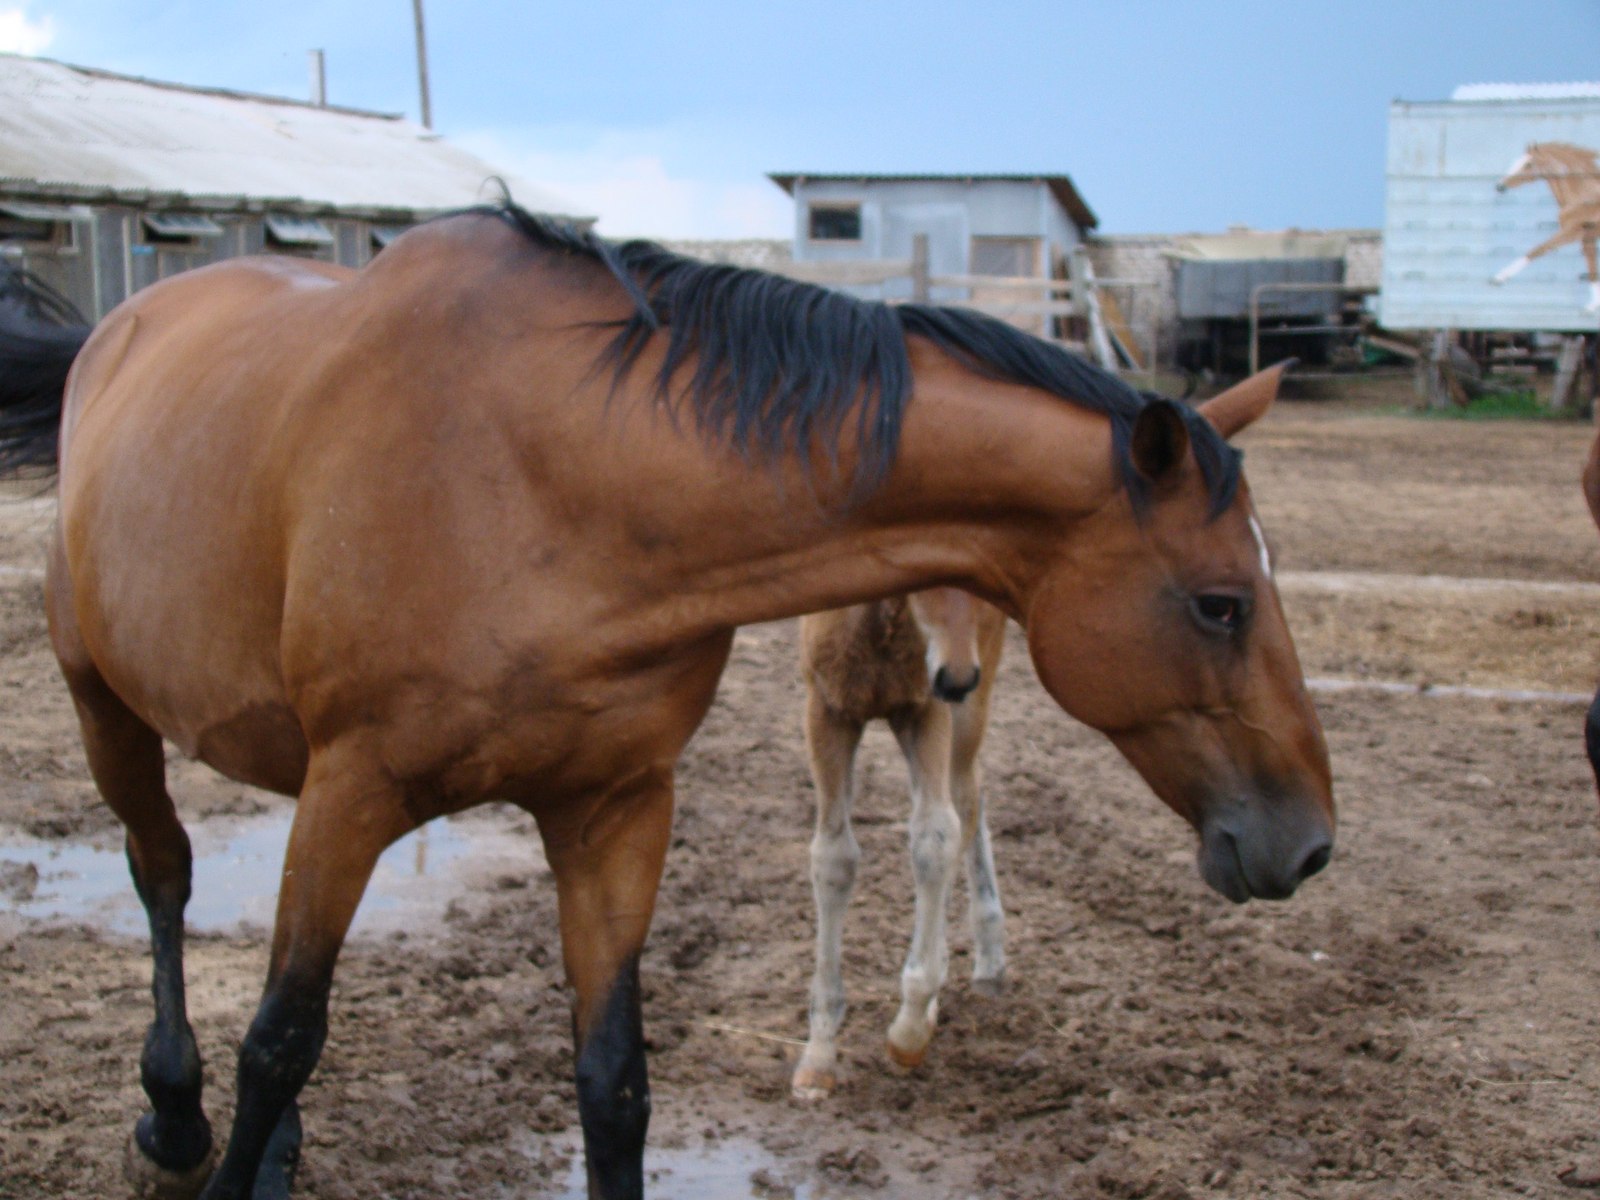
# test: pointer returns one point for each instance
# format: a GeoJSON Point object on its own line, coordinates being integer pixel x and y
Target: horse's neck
{"type": "Point", "coordinates": [1572, 180]}
{"type": "Point", "coordinates": [982, 469]}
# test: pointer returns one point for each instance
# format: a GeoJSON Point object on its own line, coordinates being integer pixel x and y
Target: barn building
{"type": "Point", "coordinates": [109, 183]}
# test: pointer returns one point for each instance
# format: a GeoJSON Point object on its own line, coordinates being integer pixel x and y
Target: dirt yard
{"type": "Point", "coordinates": [1421, 1021]}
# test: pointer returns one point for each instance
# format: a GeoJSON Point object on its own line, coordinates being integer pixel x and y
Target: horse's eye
{"type": "Point", "coordinates": [1218, 612]}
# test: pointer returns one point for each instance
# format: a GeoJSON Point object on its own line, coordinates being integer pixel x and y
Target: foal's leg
{"type": "Point", "coordinates": [170, 1151]}
{"type": "Point", "coordinates": [935, 834]}
{"type": "Point", "coordinates": [832, 743]}
{"type": "Point", "coordinates": [348, 814]}
{"type": "Point", "coordinates": [607, 859]}
{"type": "Point", "coordinates": [970, 719]}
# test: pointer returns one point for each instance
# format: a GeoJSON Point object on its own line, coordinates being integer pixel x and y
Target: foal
{"type": "Point", "coordinates": [925, 663]}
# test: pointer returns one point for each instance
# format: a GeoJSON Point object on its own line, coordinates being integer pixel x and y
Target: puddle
{"type": "Point", "coordinates": [236, 866]}
{"type": "Point", "coordinates": [731, 1169]}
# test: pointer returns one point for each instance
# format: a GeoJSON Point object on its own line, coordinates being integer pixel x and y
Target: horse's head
{"type": "Point", "coordinates": [1548, 160]}
{"type": "Point", "coordinates": [1164, 630]}
{"type": "Point", "coordinates": [948, 619]}
{"type": "Point", "coordinates": [1524, 170]}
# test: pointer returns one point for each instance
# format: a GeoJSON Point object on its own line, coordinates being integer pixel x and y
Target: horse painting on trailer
{"type": "Point", "coordinates": [1575, 182]}
{"type": "Point", "coordinates": [478, 522]}
{"type": "Point", "coordinates": [926, 664]}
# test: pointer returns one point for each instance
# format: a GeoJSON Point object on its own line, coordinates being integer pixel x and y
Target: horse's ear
{"type": "Point", "coordinates": [1243, 403]}
{"type": "Point", "coordinates": [1159, 440]}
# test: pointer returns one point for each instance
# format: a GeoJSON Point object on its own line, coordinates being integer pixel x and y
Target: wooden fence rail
{"type": "Point", "coordinates": [1020, 296]}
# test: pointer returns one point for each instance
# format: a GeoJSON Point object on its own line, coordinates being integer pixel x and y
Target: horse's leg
{"type": "Point", "coordinates": [831, 741]}
{"type": "Point", "coordinates": [935, 835]}
{"type": "Point", "coordinates": [969, 720]}
{"type": "Point", "coordinates": [348, 814]}
{"type": "Point", "coordinates": [171, 1147]}
{"type": "Point", "coordinates": [1561, 238]}
{"type": "Point", "coordinates": [607, 860]}
{"type": "Point", "coordinates": [170, 1152]}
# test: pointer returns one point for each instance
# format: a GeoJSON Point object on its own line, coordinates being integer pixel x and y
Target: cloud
{"type": "Point", "coordinates": [20, 35]}
{"type": "Point", "coordinates": [635, 193]}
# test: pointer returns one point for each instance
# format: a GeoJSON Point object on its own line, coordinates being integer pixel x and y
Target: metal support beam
{"type": "Point", "coordinates": [422, 66]}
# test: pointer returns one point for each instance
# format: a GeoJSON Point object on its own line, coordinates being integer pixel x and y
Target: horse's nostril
{"type": "Point", "coordinates": [1315, 861]}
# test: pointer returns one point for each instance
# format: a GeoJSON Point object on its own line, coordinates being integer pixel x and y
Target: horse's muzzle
{"type": "Point", "coordinates": [953, 689]}
{"type": "Point", "coordinates": [1264, 851]}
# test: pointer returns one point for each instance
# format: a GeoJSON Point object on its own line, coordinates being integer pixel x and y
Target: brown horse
{"type": "Point", "coordinates": [478, 523]}
{"type": "Point", "coordinates": [925, 663]}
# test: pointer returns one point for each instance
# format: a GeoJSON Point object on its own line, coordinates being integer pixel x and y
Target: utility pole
{"type": "Point", "coordinates": [422, 66]}
{"type": "Point", "coordinates": [319, 78]}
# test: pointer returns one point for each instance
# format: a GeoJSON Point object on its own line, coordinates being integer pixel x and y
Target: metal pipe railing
{"type": "Point", "coordinates": [1255, 308]}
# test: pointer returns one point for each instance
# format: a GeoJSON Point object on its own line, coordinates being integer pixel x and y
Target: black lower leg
{"type": "Point", "coordinates": [175, 1134]}
{"type": "Point", "coordinates": [614, 1093]}
{"type": "Point", "coordinates": [275, 1178]}
{"type": "Point", "coordinates": [275, 1060]}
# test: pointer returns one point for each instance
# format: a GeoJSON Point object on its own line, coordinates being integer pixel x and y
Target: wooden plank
{"type": "Point", "coordinates": [1039, 308]}
{"type": "Point", "coordinates": [1395, 346]}
{"type": "Point", "coordinates": [838, 274]}
{"type": "Point", "coordinates": [1117, 326]}
{"type": "Point", "coordinates": [1023, 282]}
{"type": "Point", "coordinates": [1083, 274]}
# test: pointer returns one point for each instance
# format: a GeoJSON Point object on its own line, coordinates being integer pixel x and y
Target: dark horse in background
{"type": "Point", "coordinates": [478, 522]}
{"type": "Point", "coordinates": [1591, 494]}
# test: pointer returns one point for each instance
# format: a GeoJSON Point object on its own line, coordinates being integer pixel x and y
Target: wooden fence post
{"type": "Point", "coordinates": [919, 268]}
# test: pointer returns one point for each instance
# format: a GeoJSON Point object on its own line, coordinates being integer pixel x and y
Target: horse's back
{"type": "Point", "coordinates": [300, 504]}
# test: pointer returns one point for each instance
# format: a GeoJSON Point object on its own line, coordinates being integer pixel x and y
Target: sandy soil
{"type": "Point", "coordinates": [1420, 1021]}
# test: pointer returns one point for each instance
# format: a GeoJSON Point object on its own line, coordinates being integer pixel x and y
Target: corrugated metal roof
{"type": "Point", "coordinates": [78, 131]}
{"type": "Point", "coordinates": [1060, 186]}
{"type": "Point", "coordinates": [1527, 91]}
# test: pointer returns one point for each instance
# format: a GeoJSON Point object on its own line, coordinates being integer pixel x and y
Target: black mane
{"type": "Point", "coordinates": [781, 366]}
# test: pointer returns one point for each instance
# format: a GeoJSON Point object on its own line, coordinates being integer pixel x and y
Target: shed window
{"type": "Point", "coordinates": [178, 231]}
{"type": "Point", "coordinates": [40, 224]}
{"type": "Point", "coordinates": [297, 232]}
{"type": "Point", "coordinates": [834, 222]}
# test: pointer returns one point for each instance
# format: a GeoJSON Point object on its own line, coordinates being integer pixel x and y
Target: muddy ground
{"type": "Point", "coordinates": [1421, 1021]}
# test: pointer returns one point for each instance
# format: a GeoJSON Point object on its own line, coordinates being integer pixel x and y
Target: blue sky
{"type": "Point", "coordinates": [664, 118]}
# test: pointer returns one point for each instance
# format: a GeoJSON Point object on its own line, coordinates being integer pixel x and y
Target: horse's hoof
{"type": "Point", "coordinates": [811, 1084]}
{"type": "Point", "coordinates": [151, 1182]}
{"type": "Point", "coordinates": [909, 1059]}
{"type": "Point", "coordinates": [990, 986]}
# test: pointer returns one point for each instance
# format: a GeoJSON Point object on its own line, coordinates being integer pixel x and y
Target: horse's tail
{"type": "Point", "coordinates": [40, 334]}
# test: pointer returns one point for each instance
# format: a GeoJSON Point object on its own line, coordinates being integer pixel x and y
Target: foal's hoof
{"type": "Point", "coordinates": [990, 986]}
{"type": "Point", "coordinates": [909, 1059]}
{"type": "Point", "coordinates": [811, 1084]}
{"type": "Point", "coordinates": [150, 1182]}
